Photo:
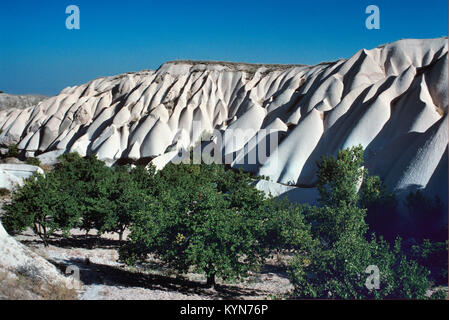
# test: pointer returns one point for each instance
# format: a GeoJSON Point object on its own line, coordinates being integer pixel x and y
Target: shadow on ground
{"type": "Point", "coordinates": [99, 274]}
{"type": "Point", "coordinates": [77, 241]}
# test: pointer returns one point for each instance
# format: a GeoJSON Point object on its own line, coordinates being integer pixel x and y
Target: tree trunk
{"type": "Point", "coordinates": [36, 229]}
{"type": "Point", "coordinates": [120, 236]}
{"type": "Point", "coordinates": [211, 280]}
{"type": "Point", "coordinates": [41, 232]}
{"type": "Point", "coordinates": [45, 236]}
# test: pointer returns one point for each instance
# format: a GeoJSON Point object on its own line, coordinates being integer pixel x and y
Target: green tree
{"type": "Point", "coordinates": [330, 223]}
{"type": "Point", "coordinates": [89, 181]}
{"type": "Point", "coordinates": [339, 177]}
{"type": "Point", "coordinates": [126, 196]}
{"type": "Point", "coordinates": [286, 228]}
{"type": "Point", "coordinates": [39, 204]}
{"type": "Point", "coordinates": [81, 192]}
{"type": "Point", "coordinates": [146, 178]}
{"type": "Point", "coordinates": [339, 272]}
{"type": "Point", "coordinates": [335, 267]}
{"type": "Point", "coordinates": [204, 218]}
{"type": "Point", "coordinates": [338, 181]}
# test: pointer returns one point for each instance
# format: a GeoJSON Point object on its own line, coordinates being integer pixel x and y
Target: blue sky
{"type": "Point", "coordinates": [39, 55]}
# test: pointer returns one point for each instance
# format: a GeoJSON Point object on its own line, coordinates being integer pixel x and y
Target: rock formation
{"type": "Point", "coordinates": [19, 262]}
{"type": "Point", "coordinates": [10, 101]}
{"type": "Point", "coordinates": [13, 175]}
{"type": "Point", "coordinates": [392, 100]}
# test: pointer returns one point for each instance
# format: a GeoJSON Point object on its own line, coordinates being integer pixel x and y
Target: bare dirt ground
{"type": "Point", "coordinates": [105, 278]}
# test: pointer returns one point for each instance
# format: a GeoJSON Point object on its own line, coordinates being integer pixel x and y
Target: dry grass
{"type": "Point", "coordinates": [45, 167]}
{"type": "Point", "coordinates": [21, 285]}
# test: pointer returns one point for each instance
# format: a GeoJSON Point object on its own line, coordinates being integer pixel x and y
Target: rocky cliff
{"type": "Point", "coordinates": [392, 99]}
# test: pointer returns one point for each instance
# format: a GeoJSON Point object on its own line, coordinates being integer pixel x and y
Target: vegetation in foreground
{"type": "Point", "coordinates": [211, 220]}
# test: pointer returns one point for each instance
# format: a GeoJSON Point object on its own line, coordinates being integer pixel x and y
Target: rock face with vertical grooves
{"type": "Point", "coordinates": [392, 100]}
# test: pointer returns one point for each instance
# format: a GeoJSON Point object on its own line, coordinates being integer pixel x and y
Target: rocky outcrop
{"type": "Point", "coordinates": [12, 101]}
{"type": "Point", "coordinates": [18, 263]}
{"type": "Point", "coordinates": [392, 99]}
{"type": "Point", "coordinates": [13, 175]}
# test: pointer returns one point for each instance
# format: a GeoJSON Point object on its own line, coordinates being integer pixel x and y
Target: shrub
{"type": "Point", "coordinates": [381, 207]}
{"type": "Point", "coordinates": [339, 272]}
{"type": "Point", "coordinates": [439, 294]}
{"type": "Point", "coordinates": [383, 217]}
{"type": "Point", "coordinates": [427, 215]}
{"type": "Point", "coordinates": [33, 161]}
{"type": "Point", "coordinates": [4, 192]}
{"type": "Point", "coordinates": [433, 256]}
{"type": "Point", "coordinates": [335, 267]}
{"type": "Point", "coordinates": [330, 223]}
{"type": "Point", "coordinates": [13, 151]}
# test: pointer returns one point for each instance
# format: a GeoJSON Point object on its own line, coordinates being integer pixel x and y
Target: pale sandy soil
{"type": "Point", "coordinates": [105, 278]}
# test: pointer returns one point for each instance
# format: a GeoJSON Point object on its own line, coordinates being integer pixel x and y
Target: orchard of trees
{"type": "Point", "coordinates": [212, 220]}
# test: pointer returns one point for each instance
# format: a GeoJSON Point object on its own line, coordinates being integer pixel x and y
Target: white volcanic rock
{"type": "Point", "coordinates": [50, 158]}
{"type": "Point", "coordinates": [294, 194]}
{"type": "Point", "coordinates": [295, 149]}
{"type": "Point", "coordinates": [9, 181]}
{"type": "Point", "coordinates": [392, 99]}
{"type": "Point", "coordinates": [16, 258]}
{"type": "Point", "coordinates": [13, 175]}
